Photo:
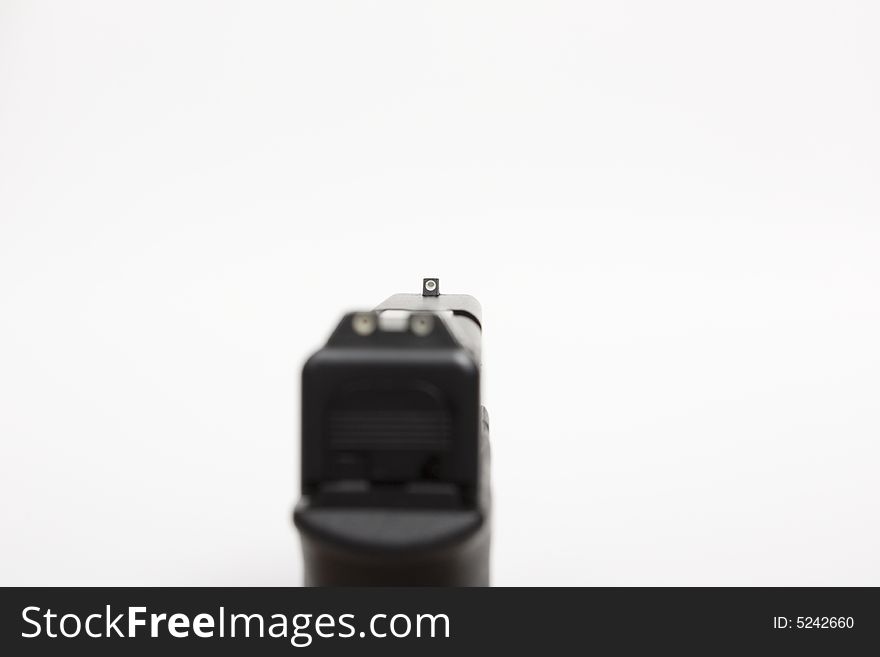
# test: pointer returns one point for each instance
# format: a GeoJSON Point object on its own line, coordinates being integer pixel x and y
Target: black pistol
{"type": "Point", "coordinates": [395, 448]}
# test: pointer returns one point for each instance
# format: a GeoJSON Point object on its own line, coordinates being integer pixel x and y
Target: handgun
{"type": "Point", "coordinates": [394, 467]}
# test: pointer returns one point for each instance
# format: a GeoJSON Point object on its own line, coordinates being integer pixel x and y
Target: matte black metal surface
{"type": "Point", "coordinates": [395, 450]}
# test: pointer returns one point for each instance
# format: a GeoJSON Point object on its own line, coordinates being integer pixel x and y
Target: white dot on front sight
{"type": "Point", "coordinates": [430, 285]}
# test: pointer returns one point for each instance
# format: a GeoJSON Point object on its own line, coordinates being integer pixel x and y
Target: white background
{"type": "Point", "coordinates": [670, 212]}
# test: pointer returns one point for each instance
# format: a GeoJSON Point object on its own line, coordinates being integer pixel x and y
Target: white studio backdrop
{"type": "Point", "coordinates": [669, 211]}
